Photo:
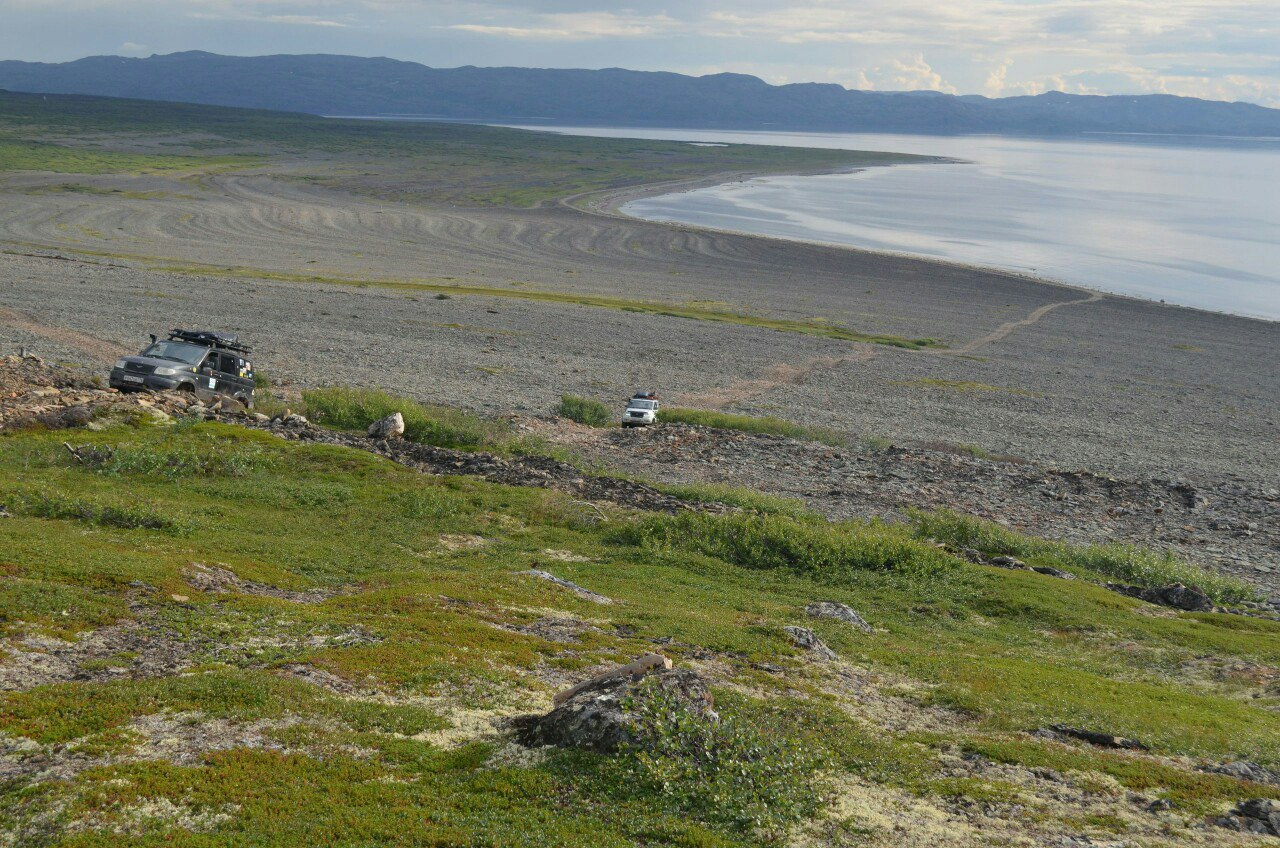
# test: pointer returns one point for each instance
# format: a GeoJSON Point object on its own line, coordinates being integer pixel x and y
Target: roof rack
{"type": "Point", "coordinates": [207, 338]}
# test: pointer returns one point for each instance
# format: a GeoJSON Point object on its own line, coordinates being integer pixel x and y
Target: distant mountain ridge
{"type": "Point", "coordinates": [350, 85]}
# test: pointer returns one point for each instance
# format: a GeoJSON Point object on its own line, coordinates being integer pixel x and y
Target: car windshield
{"type": "Point", "coordinates": [644, 404]}
{"type": "Point", "coordinates": [177, 351]}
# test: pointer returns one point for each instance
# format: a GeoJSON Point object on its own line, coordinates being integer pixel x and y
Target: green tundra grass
{"type": "Point", "coordinates": [387, 620]}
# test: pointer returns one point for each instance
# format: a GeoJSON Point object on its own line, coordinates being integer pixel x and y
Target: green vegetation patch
{"type": "Point", "coordinates": [1195, 792]}
{"type": "Point", "coordinates": [767, 425]}
{"type": "Point", "coordinates": [356, 409]}
{"type": "Point", "coordinates": [745, 771]}
{"type": "Point", "coordinates": [824, 552]}
{"type": "Point", "coordinates": [1129, 563]}
{"type": "Point", "coordinates": [42, 156]}
{"type": "Point", "coordinates": [107, 512]}
{"type": "Point", "coordinates": [739, 496]}
{"type": "Point", "coordinates": [584, 410]}
{"type": "Point", "coordinates": [961, 386]}
{"type": "Point", "coordinates": [823, 329]}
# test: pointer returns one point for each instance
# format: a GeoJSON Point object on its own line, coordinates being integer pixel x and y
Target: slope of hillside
{"type": "Point", "coordinates": [216, 636]}
{"type": "Point", "coordinates": [327, 84]}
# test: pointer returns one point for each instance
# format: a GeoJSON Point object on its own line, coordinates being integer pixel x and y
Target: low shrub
{"type": "Point", "coordinates": [267, 403]}
{"type": "Point", "coordinates": [356, 409]}
{"type": "Point", "coordinates": [748, 499]}
{"type": "Point", "coordinates": [44, 504]}
{"type": "Point", "coordinates": [823, 552]}
{"type": "Point", "coordinates": [177, 461]}
{"type": "Point", "coordinates": [732, 771]}
{"type": "Point", "coordinates": [584, 411]}
{"type": "Point", "coordinates": [767, 425]}
{"type": "Point", "coordinates": [1128, 563]}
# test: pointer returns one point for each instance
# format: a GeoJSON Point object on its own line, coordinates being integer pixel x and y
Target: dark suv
{"type": "Point", "coordinates": [189, 360]}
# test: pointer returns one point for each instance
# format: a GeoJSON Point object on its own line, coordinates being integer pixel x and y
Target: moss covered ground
{"type": "Point", "coordinates": [341, 690]}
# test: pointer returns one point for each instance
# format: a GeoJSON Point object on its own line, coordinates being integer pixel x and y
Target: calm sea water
{"type": "Point", "coordinates": [1190, 221]}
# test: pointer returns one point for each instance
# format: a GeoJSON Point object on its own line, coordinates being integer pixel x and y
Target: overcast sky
{"type": "Point", "coordinates": [1221, 49]}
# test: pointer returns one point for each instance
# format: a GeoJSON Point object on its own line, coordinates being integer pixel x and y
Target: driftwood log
{"type": "Point", "coordinates": [635, 670]}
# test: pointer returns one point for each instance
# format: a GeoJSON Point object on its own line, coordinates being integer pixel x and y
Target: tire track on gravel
{"type": "Point", "coordinates": [92, 345]}
{"type": "Point", "coordinates": [782, 374]}
{"type": "Point", "coordinates": [787, 374]}
{"type": "Point", "coordinates": [1005, 329]}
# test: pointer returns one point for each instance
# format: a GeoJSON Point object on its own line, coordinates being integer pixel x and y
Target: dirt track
{"type": "Point", "coordinates": [1034, 369]}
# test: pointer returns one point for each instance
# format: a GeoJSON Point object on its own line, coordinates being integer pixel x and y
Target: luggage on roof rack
{"type": "Point", "coordinates": [208, 338]}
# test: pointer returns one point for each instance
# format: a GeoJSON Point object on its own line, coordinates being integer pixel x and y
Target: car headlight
{"type": "Point", "coordinates": [121, 364]}
{"type": "Point", "coordinates": [166, 372]}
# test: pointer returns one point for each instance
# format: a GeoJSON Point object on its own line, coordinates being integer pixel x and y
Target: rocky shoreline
{"type": "Point", "coordinates": [1223, 525]}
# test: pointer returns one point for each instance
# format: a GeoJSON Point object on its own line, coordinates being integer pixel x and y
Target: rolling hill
{"type": "Point", "coordinates": [349, 85]}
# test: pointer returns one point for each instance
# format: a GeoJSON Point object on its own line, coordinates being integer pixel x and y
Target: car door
{"type": "Point", "coordinates": [213, 373]}
{"type": "Point", "coordinates": [237, 375]}
{"type": "Point", "coordinates": [229, 382]}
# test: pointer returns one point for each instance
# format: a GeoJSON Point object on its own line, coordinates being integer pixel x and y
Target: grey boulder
{"type": "Point", "coordinates": [601, 716]}
{"type": "Point", "coordinates": [803, 637]}
{"type": "Point", "coordinates": [840, 612]}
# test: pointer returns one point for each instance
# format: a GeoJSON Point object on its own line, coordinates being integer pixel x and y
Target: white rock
{"type": "Point", "coordinates": [391, 427]}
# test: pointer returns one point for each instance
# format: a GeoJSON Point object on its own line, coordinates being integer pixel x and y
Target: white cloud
{"type": "Point", "coordinates": [574, 26]}
{"type": "Point", "coordinates": [996, 81]}
{"type": "Point", "coordinates": [289, 12]}
{"type": "Point", "coordinates": [915, 74]}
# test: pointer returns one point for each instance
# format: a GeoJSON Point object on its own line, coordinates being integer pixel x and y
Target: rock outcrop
{"type": "Point", "coordinates": [594, 597]}
{"type": "Point", "coordinates": [840, 612]}
{"type": "Point", "coordinates": [1177, 596]}
{"type": "Point", "coordinates": [600, 715]}
{"type": "Point", "coordinates": [1243, 770]}
{"type": "Point", "coordinates": [803, 637]}
{"type": "Point", "coordinates": [1256, 815]}
{"type": "Point", "coordinates": [1093, 737]}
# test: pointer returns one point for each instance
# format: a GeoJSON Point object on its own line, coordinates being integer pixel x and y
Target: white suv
{"type": "Point", "coordinates": [642, 410]}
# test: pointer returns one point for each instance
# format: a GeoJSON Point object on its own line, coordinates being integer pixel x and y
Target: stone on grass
{"type": "Point", "coordinates": [76, 416]}
{"type": "Point", "coordinates": [1244, 770]}
{"type": "Point", "coordinates": [803, 637]}
{"type": "Point", "coordinates": [1177, 596]}
{"type": "Point", "coordinates": [391, 427]}
{"type": "Point", "coordinates": [1255, 815]}
{"type": "Point", "coordinates": [839, 611]}
{"type": "Point", "coordinates": [1053, 572]}
{"type": "Point", "coordinates": [1093, 737]}
{"type": "Point", "coordinates": [1006, 562]}
{"type": "Point", "coordinates": [601, 715]}
{"type": "Point", "coordinates": [594, 597]}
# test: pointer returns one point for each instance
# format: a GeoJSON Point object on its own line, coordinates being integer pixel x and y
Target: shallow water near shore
{"type": "Point", "coordinates": [1191, 221]}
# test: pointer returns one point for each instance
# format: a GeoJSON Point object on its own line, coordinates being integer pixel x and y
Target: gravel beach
{"type": "Point", "coordinates": [1031, 369]}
